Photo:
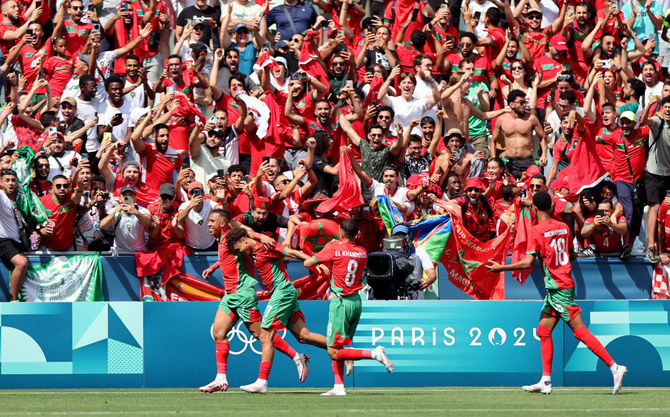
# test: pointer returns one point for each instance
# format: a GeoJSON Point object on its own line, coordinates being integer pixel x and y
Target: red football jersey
{"type": "Point", "coordinates": [552, 242]}
{"type": "Point", "coordinates": [346, 262]}
{"type": "Point", "coordinates": [606, 240]}
{"type": "Point", "coordinates": [237, 271]}
{"type": "Point", "coordinates": [270, 266]}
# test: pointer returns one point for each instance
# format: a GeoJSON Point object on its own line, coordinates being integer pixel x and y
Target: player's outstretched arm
{"type": "Point", "coordinates": [525, 263]}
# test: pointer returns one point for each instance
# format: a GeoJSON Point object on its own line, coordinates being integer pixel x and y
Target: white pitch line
{"type": "Point", "coordinates": [338, 411]}
{"type": "Point", "coordinates": [296, 391]}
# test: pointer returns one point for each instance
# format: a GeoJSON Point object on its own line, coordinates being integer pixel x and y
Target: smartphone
{"type": "Point", "coordinates": [29, 32]}
{"type": "Point", "coordinates": [91, 7]}
{"type": "Point", "coordinates": [189, 23]}
{"type": "Point", "coordinates": [213, 119]}
{"type": "Point", "coordinates": [197, 193]}
{"type": "Point", "coordinates": [96, 27]}
{"type": "Point", "coordinates": [170, 89]}
{"type": "Point", "coordinates": [523, 193]}
{"type": "Point", "coordinates": [614, 6]}
{"type": "Point", "coordinates": [127, 200]}
{"type": "Point", "coordinates": [38, 3]}
{"type": "Point", "coordinates": [477, 16]}
{"type": "Point", "coordinates": [601, 212]}
{"type": "Point", "coordinates": [444, 6]}
{"type": "Point", "coordinates": [266, 159]}
{"type": "Point", "coordinates": [107, 136]}
{"type": "Point", "coordinates": [570, 10]}
{"type": "Point", "coordinates": [221, 173]}
{"type": "Point", "coordinates": [606, 64]}
{"type": "Point", "coordinates": [124, 6]}
{"type": "Point", "coordinates": [349, 83]}
{"type": "Point", "coordinates": [52, 130]}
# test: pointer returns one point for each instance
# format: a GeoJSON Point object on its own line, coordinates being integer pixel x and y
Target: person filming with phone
{"type": "Point", "coordinates": [191, 223]}
{"type": "Point", "coordinates": [128, 221]}
{"type": "Point", "coordinates": [606, 229]}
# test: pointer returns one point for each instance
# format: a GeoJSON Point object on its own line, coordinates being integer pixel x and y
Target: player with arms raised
{"type": "Point", "coordinates": [551, 241]}
{"type": "Point", "coordinates": [346, 262]}
{"type": "Point", "coordinates": [240, 301]}
{"type": "Point", "coordinates": [282, 310]}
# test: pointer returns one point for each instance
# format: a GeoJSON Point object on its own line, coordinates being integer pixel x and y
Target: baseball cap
{"type": "Point", "coordinates": [69, 100]}
{"type": "Point", "coordinates": [127, 188]}
{"type": "Point", "coordinates": [628, 115]}
{"type": "Point", "coordinates": [240, 26]}
{"type": "Point", "coordinates": [166, 189]}
{"type": "Point", "coordinates": [130, 164]}
{"type": "Point", "coordinates": [195, 184]}
{"type": "Point", "coordinates": [135, 115]}
{"type": "Point", "coordinates": [85, 57]}
{"type": "Point", "coordinates": [281, 60]}
{"type": "Point", "coordinates": [534, 10]}
{"type": "Point", "coordinates": [454, 132]}
{"type": "Point", "coordinates": [559, 42]}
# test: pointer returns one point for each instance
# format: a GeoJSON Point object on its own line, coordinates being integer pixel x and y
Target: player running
{"type": "Point", "coordinates": [240, 301]}
{"type": "Point", "coordinates": [282, 310]}
{"type": "Point", "coordinates": [551, 241]}
{"type": "Point", "coordinates": [346, 261]}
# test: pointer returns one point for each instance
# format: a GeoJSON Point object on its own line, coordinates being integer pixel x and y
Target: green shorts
{"type": "Point", "coordinates": [561, 303]}
{"type": "Point", "coordinates": [282, 309]}
{"type": "Point", "coordinates": [343, 319]}
{"type": "Point", "coordinates": [242, 304]}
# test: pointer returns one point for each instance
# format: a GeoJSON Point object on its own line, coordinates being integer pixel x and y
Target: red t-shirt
{"type": "Point", "coordinates": [5, 46]}
{"type": "Point", "coordinates": [476, 219]}
{"type": "Point", "coordinates": [64, 216]}
{"type": "Point", "coordinates": [144, 194]}
{"type": "Point", "coordinates": [664, 221]}
{"type": "Point", "coordinates": [30, 60]}
{"type": "Point", "coordinates": [536, 42]}
{"type": "Point", "coordinates": [160, 167]}
{"type": "Point", "coordinates": [552, 241]}
{"type": "Point", "coordinates": [76, 36]}
{"type": "Point", "coordinates": [605, 150]}
{"type": "Point", "coordinates": [497, 36]}
{"type": "Point", "coordinates": [58, 71]}
{"type": "Point", "coordinates": [483, 71]}
{"type": "Point", "coordinates": [346, 262]}
{"type": "Point", "coordinates": [166, 232]}
{"type": "Point", "coordinates": [635, 147]}
{"type": "Point", "coordinates": [606, 240]}
{"type": "Point", "coordinates": [549, 68]}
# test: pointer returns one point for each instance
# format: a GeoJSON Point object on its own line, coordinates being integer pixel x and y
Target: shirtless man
{"type": "Point", "coordinates": [456, 160]}
{"type": "Point", "coordinates": [458, 109]}
{"type": "Point", "coordinates": [517, 129]}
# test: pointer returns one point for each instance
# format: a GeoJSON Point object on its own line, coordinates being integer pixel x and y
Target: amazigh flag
{"type": "Point", "coordinates": [310, 59]}
{"type": "Point", "coordinates": [586, 168]}
{"type": "Point", "coordinates": [349, 194]}
{"type": "Point", "coordinates": [465, 257]}
{"type": "Point", "coordinates": [523, 224]}
{"type": "Point", "coordinates": [389, 212]}
{"type": "Point", "coordinates": [28, 203]}
{"type": "Point", "coordinates": [65, 278]}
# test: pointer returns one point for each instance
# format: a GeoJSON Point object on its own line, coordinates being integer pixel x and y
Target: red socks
{"type": "Point", "coordinates": [585, 336]}
{"type": "Point", "coordinates": [353, 354]}
{"type": "Point", "coordinates": [546, 348]}
{"type": "Point", "coordinates": [281, 345]}
{"type": "Point", "coordinates": [264, 370]}
{"type": "Point", "coordinates": [222, 349]}
{"type": "Point", "coordinates": [338, 371]}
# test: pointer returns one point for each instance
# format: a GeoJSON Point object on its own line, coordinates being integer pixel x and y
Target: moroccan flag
{"type": "Point", "coordinates": [389, 212]}
{"type": "Point", "coordinates": [586, 168]}
{"type": "Point", "coordinates": [349, 194]}
{"type": "Point", "coordinates": [65, 278]}
{"type": "Point", "coordinates": [28, 203]}
{"type": "Point", "coordinates": [464, 256]}
{"type": "Point", "coordinates": [523, 224]}
{"type": "Point", "coordinates": [264, 60]}
{"type": "Point", "coordinates": [309, 59]}
{"type": "Point", "coordinates": [316, 234]}
{"type": "Point", "coordinates": [165, 261]}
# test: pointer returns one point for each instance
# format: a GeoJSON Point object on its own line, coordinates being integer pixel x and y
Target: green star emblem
{"type": "Point", "coordinates": [467, 265]}
{"type": "Point", "coordinates": [320, 238]}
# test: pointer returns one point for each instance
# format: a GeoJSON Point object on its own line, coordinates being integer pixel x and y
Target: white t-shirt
{"type": "Point", "coordinates": [204, 164]}
{"type": "Point", "coordinates": [61, 165]}
{"type": "Point", "coordinates": [130, 234]}
{"type": "Point", "coordinates": [248, 12]}
{"type": "Point", "coordinates": [105, 114]}
{"type": "Point", "coordinates": [480, 29]}
{"type": "Point", "coordinates": [9, 229]}
{"type": "Point", "coordinates": [406, 111]}
{"type": "Point", "coordinates": [399, 198]}
{"type": "Point", "coordinates": [86, 110]}
{"type": "Point", "coordinates": [650, 92]}
{"type": "Point", "coordinates": [137, 97]}
{"type": "Point", "coordinates": [197, 234]}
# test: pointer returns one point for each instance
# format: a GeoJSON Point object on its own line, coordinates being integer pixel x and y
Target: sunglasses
{"type": "Point", "coordinates": [535, 16]}
{"type": "Point", "coordinates": [296, 40]}
{"type": "Point", "coordinates": [535, 186]}
{"type": "Point", "coordinates": [339, 64]}
{"type": "Point", "coordinates": [42, 165]}
{"type": "Point", "coordinates": [77, 7]}
{"type": "Point", "coordinates": [384, 117]}
{"type": "Point", "coordinates": [167, 197]}
{"type": "Point", "coordinates": [59, 186]}
{"type": "Point", "coordinates": [285, 181]}
{"type": "Point", "coordinates": [465, 45]}
{"type": "Point", "coordinates": [517, 67]}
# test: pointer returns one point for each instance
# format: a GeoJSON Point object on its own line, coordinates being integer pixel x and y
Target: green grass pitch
{"type": "Point", "coordinates": [386, 402]}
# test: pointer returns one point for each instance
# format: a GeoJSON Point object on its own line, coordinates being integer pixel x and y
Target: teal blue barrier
{"type": "Point", "coordinates": [432, 343]}
{"type": "Point", "coordinates": [595, 278]}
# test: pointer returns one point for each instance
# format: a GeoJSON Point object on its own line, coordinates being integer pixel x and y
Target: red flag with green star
{"type": "Point", "coordinates": [315, 234]}
{"type": "Point", "coordinates": [520, 246]}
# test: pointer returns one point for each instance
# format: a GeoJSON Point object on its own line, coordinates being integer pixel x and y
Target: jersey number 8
{"type": "Point", "coordinates": [352, 267]}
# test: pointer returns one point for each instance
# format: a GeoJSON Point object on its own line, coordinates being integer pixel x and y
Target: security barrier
{"type": "Point", "coordinates": [432, 343]}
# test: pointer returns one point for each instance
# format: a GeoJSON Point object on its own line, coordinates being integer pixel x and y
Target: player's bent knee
{"type": "Point", "coordinates": [543, 331]}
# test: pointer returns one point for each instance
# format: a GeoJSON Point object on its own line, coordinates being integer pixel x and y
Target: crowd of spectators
{"type": "Point", "coordinates": [146, 115]}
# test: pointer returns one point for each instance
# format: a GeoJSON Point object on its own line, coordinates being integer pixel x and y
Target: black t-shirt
{"type": "Point", "coordinates": [198, 15]}
{"type": "Point", "coordinates": [378, 56]}
{"type": "Point", "coordinates": [326, 182]}
{"type": "Point", "coordinates": [73, 127]}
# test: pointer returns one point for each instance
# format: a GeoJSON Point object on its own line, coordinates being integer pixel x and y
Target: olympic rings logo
{"type": "Point", "coordinates": [241, 334]}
